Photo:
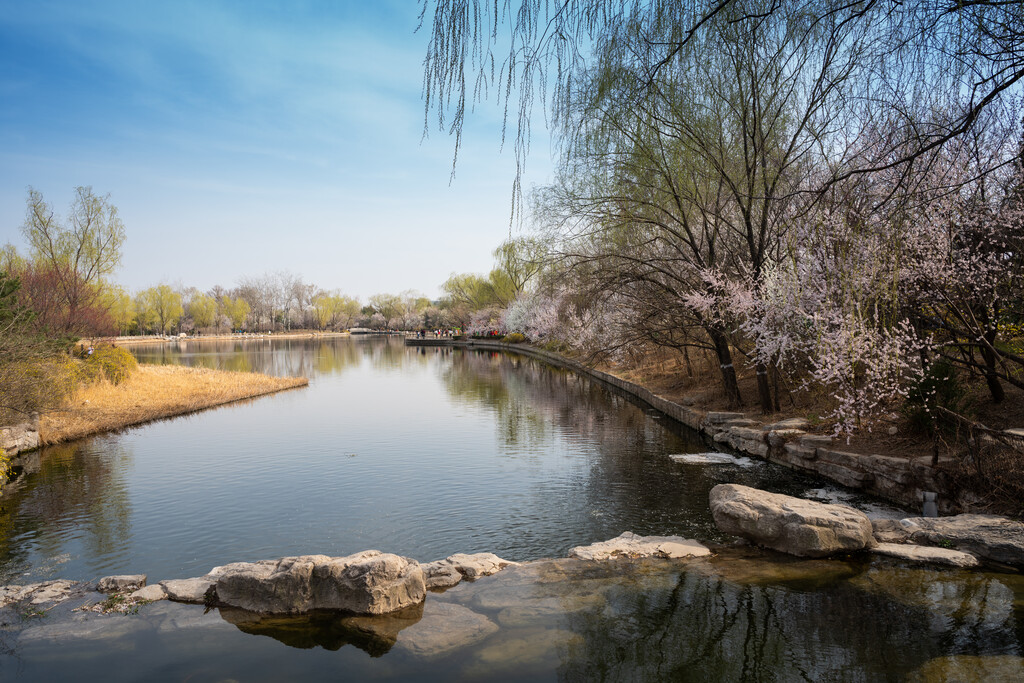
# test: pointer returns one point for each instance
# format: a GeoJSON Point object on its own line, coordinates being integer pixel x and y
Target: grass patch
{"type": "Point", "coordinates": [152, 392]}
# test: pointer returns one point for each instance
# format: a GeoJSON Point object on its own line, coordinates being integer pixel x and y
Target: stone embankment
{"type": "Point", "coordinates": [898, 479]}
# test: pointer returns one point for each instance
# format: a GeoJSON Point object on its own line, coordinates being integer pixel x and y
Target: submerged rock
{"type": "Point", "coordinates": [787, 524]}
{"type": "Point", "coordinates": [631, 545]}
{"type": "Point", "coordinates": [751, 566]}
{"type": "Point", "coordinates": [370, 582]}
{"type": "Point", "coordinates": [451, 570]}
{"type": "Point", "coordinates": [445, 627]}
{"type": "Point", "coordinates": [970, 669]}
{"type": "Point", "coordinates": [921, 553]}
{"type": "Point", "coordinates": [39, 593]}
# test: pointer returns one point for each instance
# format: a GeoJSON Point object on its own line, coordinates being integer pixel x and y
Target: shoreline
{"type": "Point", "coordinates": [155, 392]}
{"type": "Point", "coordinates": [787, 442]}
{"type": "Point", "coordinates": [247, 336]}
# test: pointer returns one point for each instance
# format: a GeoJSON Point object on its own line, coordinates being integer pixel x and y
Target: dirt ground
{"type": "Point", "coordinates": [698, 385]}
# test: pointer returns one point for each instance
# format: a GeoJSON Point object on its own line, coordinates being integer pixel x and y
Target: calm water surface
{"type": "Point", "coordinates": [421, 452]}
{"type": "Point", "coordinates": [428, 452]}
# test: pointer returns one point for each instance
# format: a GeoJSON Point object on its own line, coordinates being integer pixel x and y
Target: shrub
{"type": "Point", "coordinates": [515, 338]}
{"type": "Point", "coordinates": [111, 362]}
{"type": "Point", "coordinates": [35, 385]}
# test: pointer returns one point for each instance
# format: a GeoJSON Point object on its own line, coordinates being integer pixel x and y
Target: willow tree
{"type": "Point", "coordinates": [936, 53]}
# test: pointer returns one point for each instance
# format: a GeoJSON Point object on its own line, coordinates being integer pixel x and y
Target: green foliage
{"type": "Point", "coordinates": [236, 310]}
{"type": "Point", "coordinates": [940, 387]}
{"type": "Point", "coordinates": [111, 362]}
{"type": "Point", "coordinates": [515, 338]}
{"type": "Point", "coordinates": [203, 310]}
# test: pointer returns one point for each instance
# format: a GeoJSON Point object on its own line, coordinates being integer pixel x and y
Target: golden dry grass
{"type": "Point", "coordinates": [153, 392]}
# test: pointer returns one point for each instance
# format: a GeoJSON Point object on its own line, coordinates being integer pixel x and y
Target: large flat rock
{"type": "Point", "coordinates": [787, 524]}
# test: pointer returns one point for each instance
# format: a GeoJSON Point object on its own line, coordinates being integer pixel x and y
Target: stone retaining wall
{"type": "Point", "coordinates": [900, 480]}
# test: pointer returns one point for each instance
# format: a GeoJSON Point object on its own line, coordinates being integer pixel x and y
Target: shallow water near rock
{"type": "Point", "coordinates": [743, 615]}
{"type": "Point", "coordinates": [431, 452]}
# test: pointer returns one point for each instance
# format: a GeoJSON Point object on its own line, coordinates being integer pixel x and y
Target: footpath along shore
{"type": "Point", "coordinates": [790, 442]}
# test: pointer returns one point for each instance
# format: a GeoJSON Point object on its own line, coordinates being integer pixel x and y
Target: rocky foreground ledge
{"type": "Point", "coordinates": [374, 583]}
{"type": "Point", "coordinates": [367, 583]}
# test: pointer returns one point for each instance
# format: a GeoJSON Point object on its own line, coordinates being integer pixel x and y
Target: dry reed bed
{"type": "Point", "coordinates": [154, 392]}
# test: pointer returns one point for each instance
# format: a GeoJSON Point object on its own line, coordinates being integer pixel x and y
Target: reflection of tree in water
{"type": "Point", "coordinates": [280, 357]}
{"type": "Point", "coordinates": [624, 481]}
{"type": "Point", "coordinates": [967, 608]}
{"type": "Point", "coordinates": [74, 488]}
{"type": "Point", "coordinates": [708, 627]}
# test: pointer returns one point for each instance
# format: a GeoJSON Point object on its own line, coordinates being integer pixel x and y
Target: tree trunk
{"type": "Point", "coordinates": [989, 356]}
{"type": "Point", "coordinates": [729, 383]}
{"type": "Point", "coordinates": [994, 387]}
{"type": "Point", "coordinates": [764, 390]}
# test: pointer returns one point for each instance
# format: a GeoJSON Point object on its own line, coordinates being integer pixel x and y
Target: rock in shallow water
{"type": "Point", "coordinates": [631, 545]}
{"type": "Point", "coordinates": [920, 553]}
{"type": "Point", "coordinates": [451, 570]}
{"type": "Point", "coordinates": [990, 537]}
{"type": "Point", "coordinates": [149, 593]}
{"type": "Point", "coordinates": [122, 582]}
{"type": "Point", "coordinates": [39, 593]}
{"type": "Point", "coordinates": [787, 524]}
{"type": "Point", "coordinates": [970, 669]}
{"type": "Point", "coordinates": [370, 582]}
{"type": "Point", "coordinates": [198, 591]}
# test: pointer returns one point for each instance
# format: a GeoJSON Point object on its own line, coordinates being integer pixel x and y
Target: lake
{"type": "Point", "coordinates": [426, 452]}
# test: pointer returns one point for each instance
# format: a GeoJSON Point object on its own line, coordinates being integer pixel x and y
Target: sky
{"type": "Point", "coordinates": [244, 138]}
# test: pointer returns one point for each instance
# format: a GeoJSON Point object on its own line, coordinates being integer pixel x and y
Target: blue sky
{"type": "Point", "coordinates": [238, 138]}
